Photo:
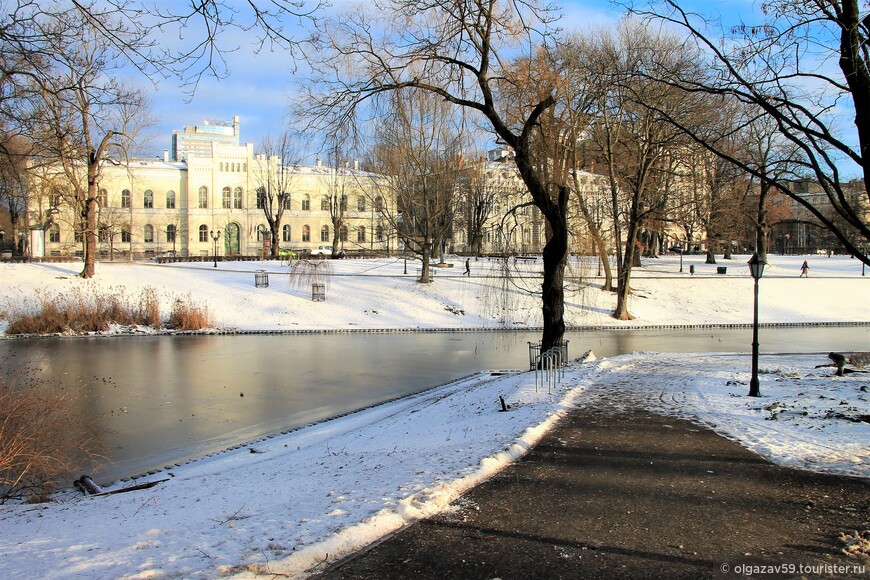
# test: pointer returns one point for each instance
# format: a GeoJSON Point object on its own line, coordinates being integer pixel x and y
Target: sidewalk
{"type": "Point", "coordinates": [631, 495]}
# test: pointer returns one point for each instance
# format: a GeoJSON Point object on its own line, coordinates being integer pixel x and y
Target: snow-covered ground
{"type": "Point", "coordinates": [282, 504]}
{"type": "Point", "coordinates": [369, 294]}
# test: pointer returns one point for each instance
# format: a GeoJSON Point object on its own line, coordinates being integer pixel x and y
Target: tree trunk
{"type": "Point", "coordinates": [90, 238]}
{"type": "Point", "coordinates": [624, 283]}
{"type": "Point", "coordinates": [553, 288]}
{"type": "Point", "coordinates": [711, 257]}
{"type": "Point", "coordinates": [424, 269]}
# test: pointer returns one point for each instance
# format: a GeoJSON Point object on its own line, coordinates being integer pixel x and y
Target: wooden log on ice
{"type": "Point", "coordinates": [87, 485]}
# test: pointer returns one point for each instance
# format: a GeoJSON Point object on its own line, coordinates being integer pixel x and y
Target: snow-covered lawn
{"type": "Point", "coordinates": [283, 503]}
{"type": "Point", "coordinates": [376, 294]}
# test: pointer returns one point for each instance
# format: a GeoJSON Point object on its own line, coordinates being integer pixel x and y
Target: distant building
{"type": "Point", "coordinates": [204, 140]}
{"type": "Point", "coordinates": [209, 184]}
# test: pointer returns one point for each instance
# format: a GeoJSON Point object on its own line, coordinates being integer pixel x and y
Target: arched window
{"type": "Point", "coordinates": [203, 233]}
{"type": "Point", "coordinates": [148, 236]}
{"type": "Point", "coordinates": [360, 203]}
{"type": "Point", "coordinates": [170, 233]}
{"type": "Point", "coordinates": [379, 203]}
{"type": "Point", "coordinates": [285, 233]}
{"type": "Point", "coordinates": [324, 203]}
{"type": "Point", "coordinates": [379, 233]}
{"type": "Point", "coordinates": [203, 197]}
{"type": "Point", "coordinates": [125, 198]}
{"type": "Point", "coordinates": [261, 232]}
{"type": "Point", "coordinates": [148, 199]}
{"type": "Point", "coordinates": [103, 198]}
{"type": "Point", "coordinates": [361, 234]}
{"type": "Point", "coordinates": [306, 202]}
{"type": "Point", "coordinates": [343, 231]}
{"type": "Point", "coordinates": [125, 235]}
{"type": "Point", "coordinates": [226, 200]}
{"type": "Point", "coordinates": [306, 234]}
{"type": "Point", "coordinates": [170, 199]}
{"type": "Point", "coordinates": [324, 234]}
{"type": "Point", "coordinates": [237, 198]}
{"type": "Point", "coordinates": [54, 234]}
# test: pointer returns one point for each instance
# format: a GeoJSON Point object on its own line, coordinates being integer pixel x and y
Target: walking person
{"type": "Point", "coordinates": [805, 269]}
{"type": "Point", "coordinates": [467, 268]}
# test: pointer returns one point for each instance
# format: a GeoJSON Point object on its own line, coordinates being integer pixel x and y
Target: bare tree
{"type": "Point", "coordinates": [795, 68]}
{"type": "Point", "coordinates": [419, 151]}
{"type": "Point", "coordinates": [78, 116]}
{"type": "Point", "coordinates": [640, 149]}
{"type": "Point", "coordinates": [275, 172]}
{"type": "Point", "coordinates": [456, 49]}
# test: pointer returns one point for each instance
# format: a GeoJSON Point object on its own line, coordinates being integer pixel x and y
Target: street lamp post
{"type": "Point", "coordinates": [215, 238]}
{"type": "Point", "coordinates": [681, 258]}
{"type": "Point", "coordinates": [756, 268]}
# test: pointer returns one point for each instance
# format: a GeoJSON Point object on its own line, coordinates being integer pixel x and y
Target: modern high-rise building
{"type": "Point", "coordinates": [202, 140]}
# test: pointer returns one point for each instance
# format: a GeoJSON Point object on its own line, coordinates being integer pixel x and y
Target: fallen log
{"type": "Point", "coordinates": [87, 485]}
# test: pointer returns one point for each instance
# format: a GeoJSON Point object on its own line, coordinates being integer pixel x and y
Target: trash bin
{"type": "Point", "coordinates": [318, 292]}
{"type": "Point", "coordinates": [692, 269]}
{"type": "Point", "coordinates": [261, 279]}
{"type": "Point", "coordinates": [721, 269]}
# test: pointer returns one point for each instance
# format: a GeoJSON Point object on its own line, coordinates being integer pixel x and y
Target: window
{"type": "Point", "coordinates": [286, 200]}
{"type": "Point", "coordinates": [103, 233]}
{"type": "Point", "coordinates": [170, 233]}
{"type": "Point", "coordinates": [306, 202]}
{"type": "Point", "coordinates": [226, 198]}
{"type": "Point", "coordinates": [285, 233]}
{"type": "Point", "coordinates": [306, 234]}
{"type": "Point", "coordinates": [148, 199]}
{"type": "Point", "coordinates": [237, 198]}
{"type": "Point", "coordinates": [221, 166]}
{"type": "Point", "coordinates": [203, 233]}
{"type": "Point", "coordinates": [54, 234]}
{"type": "Point", "coordinates": [125, 235]}
{"type": "Point", "coordinates": [379, 233]}
{"type": "Point", "coordinates": [343, 233]}
{"type": "Point", "coordinates": [360, 203]}
{"type": "Point", "coordinates": [55, 197]}
{"type": "Point", "coordinates": [324, 234]}
{"type": "Point", "coordinates": [379, 203]}
{"type": "Point", "coordinates": [149, 234]}
{"type": "Point", "coordinates": [170, 199]}
{"type": "Point", "coordinates": [324, 203]}
{"type": "Point", "coordinates": [203, 197]}
{"type": "Point", "coordinates": [361, 234]}
{"type": "Point", "coordinates": [343, 203]}
{"type": "Point", "coordinates": [125, 198]}
{"type": "Point", "coordinates": [261, 197]}
{"type": "Point", "coordinates": [103, 198]}
{"type": "Point", "coordinates": [78, 237]}
{"type": "Point", "coordinates": [261, 232]}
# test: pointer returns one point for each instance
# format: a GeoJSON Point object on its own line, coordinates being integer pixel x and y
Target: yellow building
{"type": "Point", "coordinates": [155, 206]}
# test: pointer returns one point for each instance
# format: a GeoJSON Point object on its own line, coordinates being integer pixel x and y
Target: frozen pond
{"type": "Point", "coordinates": [164, 399]}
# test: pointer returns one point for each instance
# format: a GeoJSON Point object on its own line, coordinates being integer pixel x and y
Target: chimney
{"type": "Point", "coordinates": [356, 164]}
{"type": "Point", "coordinates": [166, 155]}
{"type": "Point", "coordinates": [318, 163]}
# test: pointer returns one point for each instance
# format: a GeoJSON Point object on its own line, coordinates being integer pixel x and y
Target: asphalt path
{"type": "Point", "coordinates": [627, 493]}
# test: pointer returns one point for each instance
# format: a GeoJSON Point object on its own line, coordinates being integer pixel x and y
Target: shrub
{"type": "Point", "coordinates": [42, 439]}
{"type": "Point", "coordinates": [187, 316]}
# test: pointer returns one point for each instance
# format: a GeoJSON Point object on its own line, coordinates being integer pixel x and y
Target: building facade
{"type": "Point", "coordinates": [209, 201]}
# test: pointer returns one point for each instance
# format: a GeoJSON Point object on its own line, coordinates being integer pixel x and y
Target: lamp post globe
{"type": "Point", "coordinates": [215, 238]}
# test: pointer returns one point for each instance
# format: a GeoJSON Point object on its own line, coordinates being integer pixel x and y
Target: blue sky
{"type": "Point", "coordinates": [259, 87]}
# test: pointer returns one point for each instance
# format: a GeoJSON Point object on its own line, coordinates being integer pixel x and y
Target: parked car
{"type": "Point", "coordinates": [286, 254]}
{"type": "Point", "coordinates": [325, 250]}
